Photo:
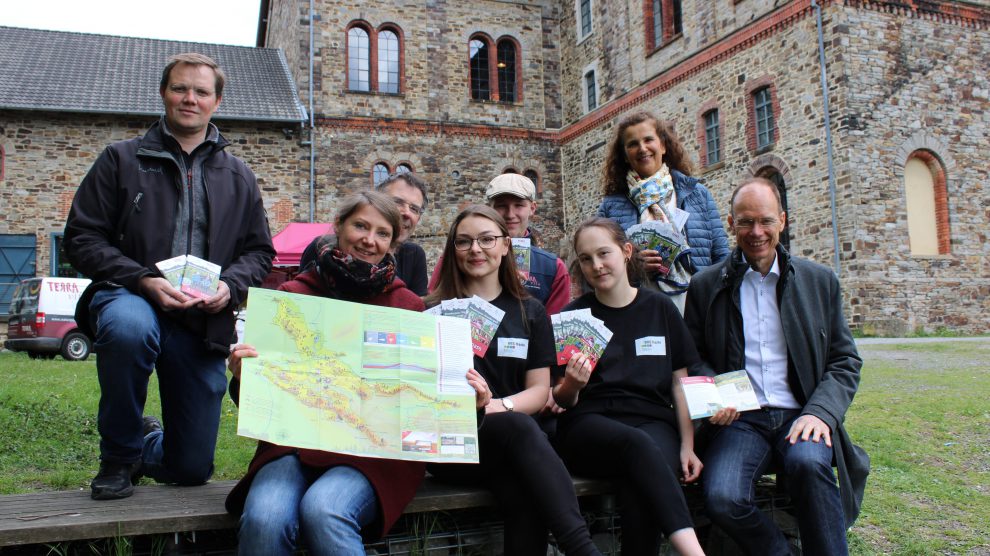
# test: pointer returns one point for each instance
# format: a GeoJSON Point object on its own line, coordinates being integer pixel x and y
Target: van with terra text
{"type": "Point", "coordinates": [42, 321]}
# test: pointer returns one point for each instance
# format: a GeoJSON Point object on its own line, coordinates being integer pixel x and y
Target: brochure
{"type": "Point", "coordinates": [484, 318]}
{"type": "Point", "coordinates": [660, 237]}
{"type": "Point", "coordinates": [522, 248]}
{"type": "Point", "coordinates": [706, 395]}
{"type": "Point", "coordinates": [191, 275]}
{"type": "Point", "coordinates": [579, 331]}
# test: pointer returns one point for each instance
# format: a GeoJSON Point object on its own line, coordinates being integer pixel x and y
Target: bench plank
{"type": "Point", "coordinates": [47, 517]}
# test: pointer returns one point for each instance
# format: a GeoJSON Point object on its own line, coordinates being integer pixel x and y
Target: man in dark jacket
{"type": "Point", "coordinates": [174, 191]}
{"type": "Point", "coordinates": [779, 318]}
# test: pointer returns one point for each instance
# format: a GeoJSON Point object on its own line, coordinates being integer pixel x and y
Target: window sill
{"type": "Point", "coordinates": [664, 45]}
{"type": "Point", "coordinates": [764, 149]}
{"type": "Point", "coordinates": [946, 257]}
{"type": "Point", "coordinates": [584, 38]}
{"type": "Point", "coordinates": [497, 103]}
{"type": "Point", "coordinates": [376, 93]}
{"type": "Point", "coordinates": [713, 167]}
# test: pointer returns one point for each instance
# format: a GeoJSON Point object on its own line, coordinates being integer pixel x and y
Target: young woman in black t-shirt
{"type": "Point", "coordinates": [627, 420]}
{"type": "Point", "coordinates": [517, 462]}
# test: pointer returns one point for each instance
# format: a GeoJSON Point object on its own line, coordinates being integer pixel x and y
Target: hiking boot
{"type": "Point", "coordinates": [115, 480]}
{"type": "Point", "coordinates": [151, 424]}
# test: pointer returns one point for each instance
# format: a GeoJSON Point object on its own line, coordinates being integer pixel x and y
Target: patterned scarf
{"type": "Point", "coordinates": [651, 195]}
{"type": "Point", "coordinates": [350, 278]}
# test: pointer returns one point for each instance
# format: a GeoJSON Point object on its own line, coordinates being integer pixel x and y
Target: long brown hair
{"type": "Point", "coordinates": [634, 266]}
{"type": "Point", "coordinates": [616, 166]}
{"type": "Point", "coordinates": [451, 283]}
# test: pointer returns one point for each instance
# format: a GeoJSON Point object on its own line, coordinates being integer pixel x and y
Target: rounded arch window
{"type": "Point", "coordinates": [380, 173]}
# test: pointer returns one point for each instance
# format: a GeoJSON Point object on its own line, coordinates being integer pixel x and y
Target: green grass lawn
{"type": "Point", "coordinates": [48, 426]}
{"type": "Point", "coordinates": [922, 412]}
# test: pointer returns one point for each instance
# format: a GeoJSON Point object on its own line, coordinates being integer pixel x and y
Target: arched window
{"type": "Point", "coordinates": [480, 78]}
{"type": "Point", "coordinates": [403, 169]}
{"type": "Point", "coordinates": [358, 59]}
{"type": "Point", "coordinates": [763, 104]}
{"type": "Point", "coordinates": [495, 75]}
{"type": "Point", "coordinates": [773, 174]}
{"type": "Point", "coordinates": [927, 204]}
{"type": "Point", "coordinates": [535, 178]}
{"type": "Point", "coordinates": [374, 58]}
{"type": "Point", "coordinates": [510, 170]}
{"type": "Point", "coordinates": [762, 114]}
{"type": "Point", "coordinates": [506, 70]}
{"type": "Point", "coordinates": [379, 173]}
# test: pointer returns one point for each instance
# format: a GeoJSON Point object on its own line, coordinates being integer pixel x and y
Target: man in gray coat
{"type": "Point", "coordinates": [779, 318]}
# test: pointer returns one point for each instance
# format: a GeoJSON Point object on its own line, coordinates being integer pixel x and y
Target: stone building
{"type": "Point", "coordinates": [461, 91]}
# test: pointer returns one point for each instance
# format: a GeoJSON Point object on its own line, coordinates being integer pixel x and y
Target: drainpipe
{"type": "Point", "coordinates": [828, 136]}
{"type": "Point", "coordinates": [312, 121]}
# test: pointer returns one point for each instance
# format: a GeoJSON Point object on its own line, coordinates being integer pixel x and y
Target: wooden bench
{"type": "Point", "coordinates": [49, 517]}
{"type": "Point", "coordinates": [54, 517]}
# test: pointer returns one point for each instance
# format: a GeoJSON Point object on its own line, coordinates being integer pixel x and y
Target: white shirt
{"type": "Point", "coordinates": [766, 350]}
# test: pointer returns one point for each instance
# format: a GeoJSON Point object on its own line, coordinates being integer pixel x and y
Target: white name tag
{"type": "Point", "coordinates": [651, 345]}
{"type": "Point", "coordinates": [513, 347]}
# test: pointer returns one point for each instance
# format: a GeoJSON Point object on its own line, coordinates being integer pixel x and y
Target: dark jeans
{"type": "Point", "coordinates": [742, 452]}
{"type": "Point", "coordinates": [532, 486]}
{"type": "Point", "coordinates": [132, 340]}
{"type": "Point", "coordinates": [642, 457]}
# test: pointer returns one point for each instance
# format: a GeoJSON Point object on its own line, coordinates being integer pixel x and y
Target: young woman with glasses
{"type": "Point", "coordinates": [517, 462]}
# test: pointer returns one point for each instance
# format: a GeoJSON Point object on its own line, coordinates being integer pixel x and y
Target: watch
{"type": "Point", "coordinates": [507, 404]}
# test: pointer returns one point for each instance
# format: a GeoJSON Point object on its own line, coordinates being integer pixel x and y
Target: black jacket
{"type": "Point", "coordinates": [823, 364]}
{"type": "Point", "coordinates": [125, 211]}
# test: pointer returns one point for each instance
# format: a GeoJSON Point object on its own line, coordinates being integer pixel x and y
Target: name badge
{"type": "Point", "coordinates": [513, 347]}
{"type": "Point", "coordinates": [651, 345]}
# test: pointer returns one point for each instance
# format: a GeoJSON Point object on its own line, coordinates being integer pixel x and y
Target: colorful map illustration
{"type": "Point", "coordinates": [357, 379]}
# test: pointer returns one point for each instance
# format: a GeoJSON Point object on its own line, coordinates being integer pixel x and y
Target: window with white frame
{"type": "Point", "coordinates": [582, 11]}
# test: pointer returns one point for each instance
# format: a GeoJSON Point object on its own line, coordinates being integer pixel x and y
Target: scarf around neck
{"type": "Point", "coordinates": [652, 195]}
{"type": "Point", "coordinates": [350, 278]}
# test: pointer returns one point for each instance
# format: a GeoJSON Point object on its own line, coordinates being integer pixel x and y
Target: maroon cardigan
{"type": "Point", "coordinates": [395, 482]}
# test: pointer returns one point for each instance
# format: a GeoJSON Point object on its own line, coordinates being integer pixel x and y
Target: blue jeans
{"type": "Point", "coordinates": [287, 500]}
{"type": "Point", "coordinates": [743, 451]}
{"type": "Point", "coordinates": [132, 340]}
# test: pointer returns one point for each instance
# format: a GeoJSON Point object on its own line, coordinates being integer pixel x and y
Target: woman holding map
{"type": "Point", "coordinates": [647, 178]}
{"type": "Point", "coordinates": [627, 418]}
{"type": "Point", "coordinates": [328, 502]}
{"type": "Point", "coordinates": [516, 462]}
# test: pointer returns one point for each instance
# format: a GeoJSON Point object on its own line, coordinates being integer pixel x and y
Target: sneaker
{"type": "Point", "coordinates": [151, 424]}
{"type": "Point", "coordinates": [114, 481]}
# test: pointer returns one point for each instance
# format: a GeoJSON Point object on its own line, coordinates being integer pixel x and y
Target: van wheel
{"type": "Point", "coordinates": [40, 355]}
{"type": "Point", "coordinates": [75, 347]}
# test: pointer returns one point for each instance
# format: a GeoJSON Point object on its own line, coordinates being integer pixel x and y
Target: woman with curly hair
{"type": "Point", "coordinates": [647, 162]}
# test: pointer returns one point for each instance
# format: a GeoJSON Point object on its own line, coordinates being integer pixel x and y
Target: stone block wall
{"type": "Point", "coordinates": [914, 83]}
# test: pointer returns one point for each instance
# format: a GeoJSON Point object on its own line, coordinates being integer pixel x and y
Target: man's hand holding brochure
{"type": "Point", "coordinates": [707, 395]}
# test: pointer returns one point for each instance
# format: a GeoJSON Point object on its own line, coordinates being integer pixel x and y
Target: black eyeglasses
{"type": "Point", "coordinates": [485, 242]}
{"type": "Point", "coordinates": [415, 209]}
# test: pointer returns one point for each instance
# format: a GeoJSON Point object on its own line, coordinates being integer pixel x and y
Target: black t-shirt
{"type": "Point", "coordinates": [516, 347]}
{"type": "Point", "coordinates": [649, 342]}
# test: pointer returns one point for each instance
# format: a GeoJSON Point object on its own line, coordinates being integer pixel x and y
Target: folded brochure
{"type": "Point", "coordinates": [706, 395]}
{"type": "Point", "coordinates": [579, 331]}
{"type": "Point", "coordinates": [191, 275]}
{"type": "Point", "coordinates": [484, 318]}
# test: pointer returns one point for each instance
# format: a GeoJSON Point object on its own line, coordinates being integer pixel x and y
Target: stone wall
{"type": "Point", "coordinates": [912, 83]}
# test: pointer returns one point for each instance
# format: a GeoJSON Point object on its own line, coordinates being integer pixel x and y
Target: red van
{"type": "Point", "coordinates": [42, 321]}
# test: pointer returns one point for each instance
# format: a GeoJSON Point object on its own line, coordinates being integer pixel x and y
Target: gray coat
{"type": "Point", "coordinates": [823, 364]}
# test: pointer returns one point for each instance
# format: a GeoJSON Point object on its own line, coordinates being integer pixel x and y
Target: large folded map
{"type": "Point", "coordinates": [357, 379]}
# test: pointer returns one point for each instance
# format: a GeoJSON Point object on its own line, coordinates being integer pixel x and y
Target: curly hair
{"type": "Point", "coordinates": [616, 166]}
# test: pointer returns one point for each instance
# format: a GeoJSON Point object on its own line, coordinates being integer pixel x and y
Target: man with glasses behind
{"type": "Point", "coordinates": [409, 192]}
